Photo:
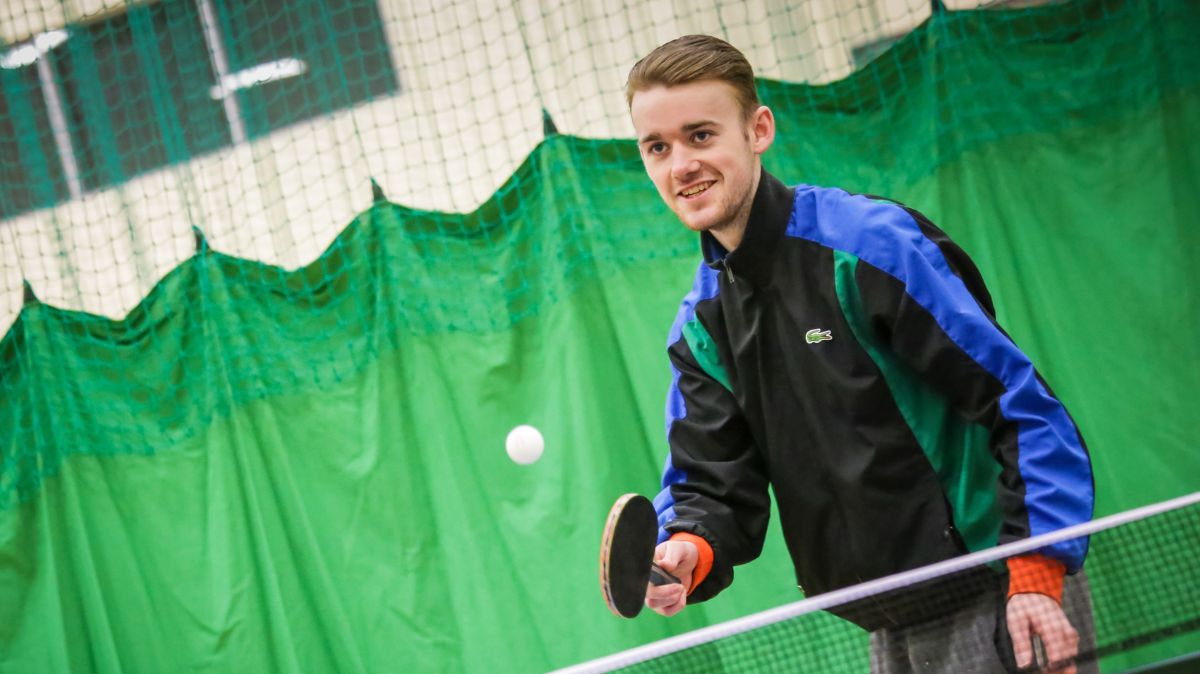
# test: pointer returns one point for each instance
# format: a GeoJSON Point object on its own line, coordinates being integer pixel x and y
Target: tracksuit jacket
{"type": "Point", "coordinates": [847, 355]}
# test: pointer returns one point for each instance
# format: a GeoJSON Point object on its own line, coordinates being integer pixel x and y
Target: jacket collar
{"type": "Point", "coordinates": [769, 214]}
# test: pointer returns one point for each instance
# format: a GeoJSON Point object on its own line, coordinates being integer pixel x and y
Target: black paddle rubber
{"type": "Point", "coordinates": [627, 555]}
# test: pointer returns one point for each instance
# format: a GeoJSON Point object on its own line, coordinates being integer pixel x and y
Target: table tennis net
{"type": "Point", "coordinates": [1136, 601]}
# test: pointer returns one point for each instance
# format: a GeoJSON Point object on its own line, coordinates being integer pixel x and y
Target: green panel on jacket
{"type": "Point", "coordinates": [705, 350]}
{"type": "Point", "coordinates": [957, 448]}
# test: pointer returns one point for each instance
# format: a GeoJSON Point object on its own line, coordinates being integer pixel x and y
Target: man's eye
{"type": "Point", "coordinates": [701, 136]}
{"type": "Point", "coordinates": [657, 148]}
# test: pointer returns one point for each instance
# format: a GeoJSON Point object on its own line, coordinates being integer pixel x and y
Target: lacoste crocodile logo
{"type": "Point", "coordinates": [817, 335]}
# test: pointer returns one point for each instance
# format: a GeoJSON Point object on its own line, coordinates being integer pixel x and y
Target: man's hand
{"type": "Point", "coordinates": [678, 558]}
{"type": "Point", "coordinates": [1032, 613]}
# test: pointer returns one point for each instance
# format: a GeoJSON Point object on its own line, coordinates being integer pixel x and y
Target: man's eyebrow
{"type": "Point", "coordinates": [686, 128]}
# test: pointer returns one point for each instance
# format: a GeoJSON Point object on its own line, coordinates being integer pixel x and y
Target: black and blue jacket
{"type": "Point", "coordinates": [847, 355]}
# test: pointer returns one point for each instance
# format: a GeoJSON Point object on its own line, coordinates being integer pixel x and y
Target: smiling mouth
{"type": "Point", "coordinates": [697, 189]}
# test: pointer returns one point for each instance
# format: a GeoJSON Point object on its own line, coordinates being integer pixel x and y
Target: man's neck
{"type": "Point", "coordinates": [730, 234]}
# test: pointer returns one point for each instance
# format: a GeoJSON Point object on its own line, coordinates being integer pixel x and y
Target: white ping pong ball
{"type": "Point", "coordinates": [524, 444]}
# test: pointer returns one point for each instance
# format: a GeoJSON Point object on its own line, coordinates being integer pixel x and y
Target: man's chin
{"type": "Point", "coordinates": [697, 222]}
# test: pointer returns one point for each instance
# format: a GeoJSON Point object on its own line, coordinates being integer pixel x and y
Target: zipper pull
{"type": "Point", "coordinates": [729, 270]}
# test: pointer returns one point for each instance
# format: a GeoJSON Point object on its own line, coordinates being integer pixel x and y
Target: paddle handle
{"type": "Point", "coordinates": [660, 577]}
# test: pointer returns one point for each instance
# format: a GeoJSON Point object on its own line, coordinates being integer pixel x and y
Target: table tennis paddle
{"type": "Point", "coordinates": [627, 555]}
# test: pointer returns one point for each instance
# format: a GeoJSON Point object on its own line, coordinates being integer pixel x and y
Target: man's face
{"type": "Point", "coordinates": [701, 151]}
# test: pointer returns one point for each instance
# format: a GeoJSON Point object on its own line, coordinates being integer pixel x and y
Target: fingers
{"type": "Point", "coordinates": [1061, 642]}
{"type": "Point", "coordinates": [1030, 614]}
{"type": "Point", "coordinates": [666, 600]}
{"type": "Point", "coordinates": [1022, 641]}
{"type": "Point", "coordinates": [679, 559]}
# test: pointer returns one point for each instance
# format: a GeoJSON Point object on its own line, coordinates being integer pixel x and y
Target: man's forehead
{"type": "Point", "coordinates": [661, 109]}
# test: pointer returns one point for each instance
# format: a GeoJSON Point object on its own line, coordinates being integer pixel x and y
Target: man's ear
{"type": "Point", "coordinates": [762, 129]}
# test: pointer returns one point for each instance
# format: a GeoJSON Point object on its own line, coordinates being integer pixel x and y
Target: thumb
{"type": "Point", "coordinates": [666, 556]}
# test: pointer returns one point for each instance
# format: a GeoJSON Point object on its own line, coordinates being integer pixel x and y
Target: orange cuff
{"type": "Point", "coordinates": [1036, 573]}
{"type": "Point", "coordinates": [704, 565]}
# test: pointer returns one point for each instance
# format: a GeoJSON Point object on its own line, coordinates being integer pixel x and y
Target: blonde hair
{"type": "Point", "coordinates": [692, 58]}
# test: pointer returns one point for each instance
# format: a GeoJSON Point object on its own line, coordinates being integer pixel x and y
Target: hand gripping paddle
{"type": "Point", "coordinates": [627, 555]}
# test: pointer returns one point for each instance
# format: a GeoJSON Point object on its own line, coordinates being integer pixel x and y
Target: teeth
{"type": "Point", "coordinates": [696, 190]}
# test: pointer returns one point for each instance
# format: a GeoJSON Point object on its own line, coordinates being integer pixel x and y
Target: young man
{"type": "Point", "coordinates": [841, 349]}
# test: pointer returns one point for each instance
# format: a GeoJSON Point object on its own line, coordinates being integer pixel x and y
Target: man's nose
{"type": "Point", "coordinates": [684, 164]}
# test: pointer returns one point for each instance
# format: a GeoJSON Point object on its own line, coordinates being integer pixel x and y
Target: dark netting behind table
{"type": "Point", "coordinates": [1140, 585]}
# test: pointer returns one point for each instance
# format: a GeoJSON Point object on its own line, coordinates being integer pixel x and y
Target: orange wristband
{"type": "Point", "coordinates": [704, 565]}
{"type": "Point", "coordinates": [1036, 573]}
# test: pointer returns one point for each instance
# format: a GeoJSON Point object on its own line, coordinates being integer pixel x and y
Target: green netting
{"type": "Point", "coordinates": [277, 277]}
